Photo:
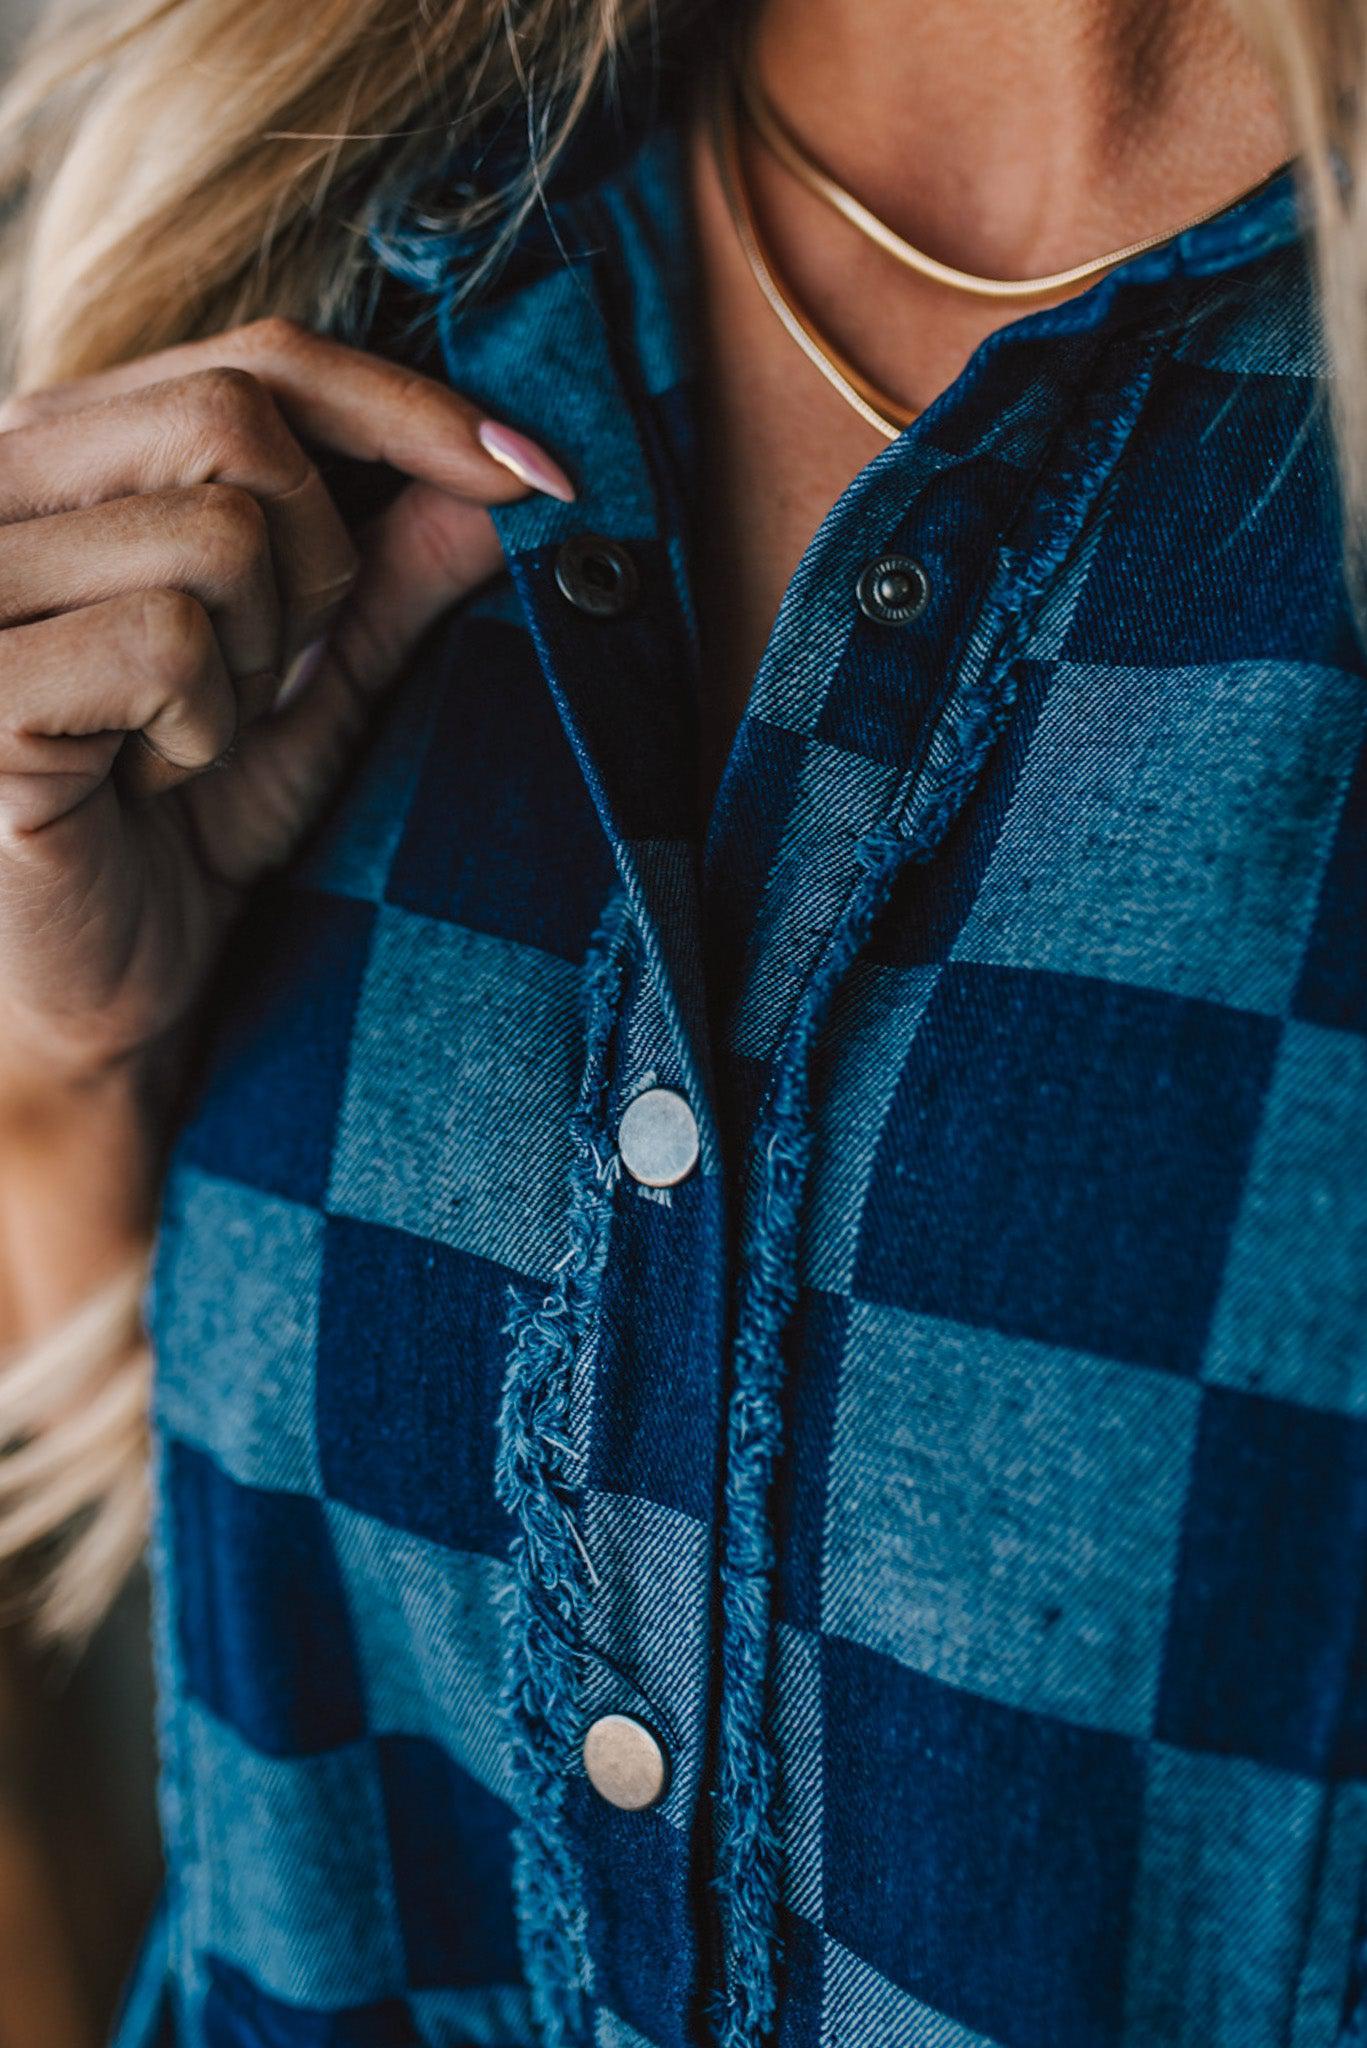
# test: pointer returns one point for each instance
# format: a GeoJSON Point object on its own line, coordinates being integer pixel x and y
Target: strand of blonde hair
{"type": "Point", "coordinates": [73, 1460]}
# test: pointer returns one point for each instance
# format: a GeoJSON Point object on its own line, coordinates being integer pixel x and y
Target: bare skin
{"type": "Point", "coordinates": [168, 552]}
{"type": "Point", "coordinates": [1008, 140]}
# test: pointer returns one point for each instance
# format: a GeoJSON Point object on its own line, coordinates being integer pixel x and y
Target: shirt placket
{"type": "Point", "coordinates": [612, 1856]}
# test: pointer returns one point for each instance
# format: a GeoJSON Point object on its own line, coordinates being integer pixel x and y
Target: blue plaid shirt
{"type": "Point", "coordinates": [962, 1472]}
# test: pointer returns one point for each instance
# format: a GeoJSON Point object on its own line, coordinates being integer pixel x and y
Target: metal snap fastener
{"type": "Point", "coordinates": [893, 590]}
{"type": "Point", "coordinates": [597, 575]}
{"type": "Point", "coordinates": [625, 1764]}
{"type": "Point", "coordinates": [658, 1138]}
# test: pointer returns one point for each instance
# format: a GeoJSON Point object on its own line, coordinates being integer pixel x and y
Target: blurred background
{"type": "Point", "coordinates": [78, 1851]}
{"type": "Point", "coordinates": [15, 16]}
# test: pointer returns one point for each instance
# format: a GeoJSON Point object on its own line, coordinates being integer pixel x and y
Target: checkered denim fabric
{"type": "Point", "coordinates": [1055, 895]}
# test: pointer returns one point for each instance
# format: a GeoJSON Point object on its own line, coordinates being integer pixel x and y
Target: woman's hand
{"type": "Point", "coordinates": [168, 553]}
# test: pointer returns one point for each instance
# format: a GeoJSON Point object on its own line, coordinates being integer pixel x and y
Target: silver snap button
{"type": "Point", "coordinates": [625, 1764]}
{"type": "Point", "coordinates": [658, 1138]}
{"type": "Point", "coordinates": [597, 575]}
{"type": "Point", "coordinates": [893, 590]}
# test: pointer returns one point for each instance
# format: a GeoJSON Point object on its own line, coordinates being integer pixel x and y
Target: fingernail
{"type": "Point", "coordinates": [301, 674]}
{"type": "Point", "coordinates": [531, 464]}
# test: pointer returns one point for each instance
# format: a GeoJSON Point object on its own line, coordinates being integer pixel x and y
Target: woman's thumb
{"type": "Point", "coordinates": [423, 555]}
{"type": "Point", "coordinates": [420, 557]}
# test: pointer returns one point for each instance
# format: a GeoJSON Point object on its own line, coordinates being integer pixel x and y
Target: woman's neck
{"type": "Point", "coordinates": [1014, 139]}
{"type": "Point", "coordinates": [1009, 137]}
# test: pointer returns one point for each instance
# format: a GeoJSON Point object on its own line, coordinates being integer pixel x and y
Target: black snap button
{"type": "Point", "coordinates": [893, 590]}
{"type": "Point", "coordinates": [598, 576]}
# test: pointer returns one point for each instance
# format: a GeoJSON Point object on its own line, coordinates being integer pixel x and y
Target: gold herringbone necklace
{"type": "Point", "coordinates": [780, 141]}
{"type": "Point", "coordinates": [885, 413]}
{"type": "Point", "coordinates": [888, 414]}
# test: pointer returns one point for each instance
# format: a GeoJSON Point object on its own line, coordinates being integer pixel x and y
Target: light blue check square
{"type": "Point", "coordinates": [575, 405]}
{"type": "Point", "coordinates": [609, 2031]}
{"type": "Point", "coordinates": [234, 1312]}
{"type": "Point", "coordinates": [293, 1880]}
{"type": "Point", "coordinates": [873, 1022]}
{"type": "Point", "coordinates": [1332, 1944]}
{"type": "Point", "coordinates": [431, 1638]}
{"type": "Point", "coordinates": [799, 1743]}
{"type": "Point", "coordinates": [464, 1070]}
{"type": "Point", "coordinates": [486, 2017]}
{"type": "Point", "coordinates": [1170, 828]}
{"type": "Point", "coordinates": [1228, 1873]}
{"type": "Point", "coordinates": [1004, 1516]}
{"type": "Point", "coordinates": [840, 796]}
{"type": "Point", "coordinates": [1292, 1315]}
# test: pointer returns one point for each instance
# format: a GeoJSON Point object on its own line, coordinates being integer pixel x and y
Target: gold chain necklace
{"type": "Point", "coordinates": [887, 414]}
{"type": "Point", "coordinates": [782, 143]}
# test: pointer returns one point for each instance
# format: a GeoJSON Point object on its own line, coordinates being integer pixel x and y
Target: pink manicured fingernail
{"type": "Point", "coordinates": [532, 465]}
{"type": "Point", "coordinates": [301, 674]}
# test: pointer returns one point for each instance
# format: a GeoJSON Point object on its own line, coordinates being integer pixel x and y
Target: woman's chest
{"type": "Point", "coordinates": [1038, 904]}
{"type": "Point", "coordinates": [972, 1420]}
{"type": "Point", "coordinates": [1067, 1499]}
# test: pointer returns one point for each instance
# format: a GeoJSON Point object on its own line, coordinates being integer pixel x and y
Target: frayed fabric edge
{"type": "Point", "coordinates": [748, 1852]}
{"type": "Point", "coordinates": [550, 1590]}
{"type": "Point", "coordinates": [749, 1857]}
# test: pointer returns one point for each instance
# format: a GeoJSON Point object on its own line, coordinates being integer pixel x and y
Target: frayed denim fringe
{"type": "Point", "coordinates": [748, 1855]}
{"type": "Point", "coordinates": [534, 1484]}
{"type": "Point", "coordinates": [749, 1859]}
{"type": "Point", "coordinates": [748, 1846]}
{"type": "Point", "coordinates": [749, 1852]}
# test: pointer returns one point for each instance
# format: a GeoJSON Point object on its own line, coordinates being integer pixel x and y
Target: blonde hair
{"type": "Point", "coordinates": [184, 165]}
{"type": "Point", "coordinates": [1316, 51]}
{"type": "Point", "coordinates": [74, 1476]}
{"type": "Point", "coordinates": [173, 167]}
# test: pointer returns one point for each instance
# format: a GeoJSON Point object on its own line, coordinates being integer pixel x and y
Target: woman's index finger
{"type": "Point", "coordinates": [340, 398]}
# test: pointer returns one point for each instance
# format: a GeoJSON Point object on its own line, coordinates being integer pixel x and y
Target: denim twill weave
{"type": "Point", "coordinates": [964, 1471]}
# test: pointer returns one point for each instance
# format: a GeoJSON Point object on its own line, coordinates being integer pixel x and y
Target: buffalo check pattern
{"type": "Point", "coordinates": [1066, 1667]}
